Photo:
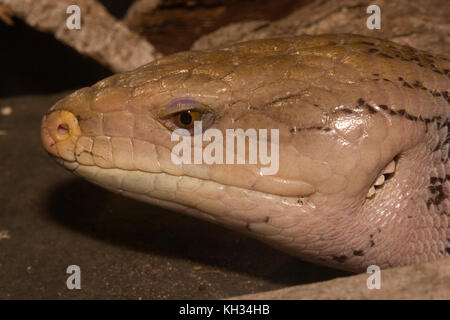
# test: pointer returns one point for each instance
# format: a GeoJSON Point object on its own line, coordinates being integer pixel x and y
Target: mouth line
{"type": "Point", "coordinates": [195, 195]}
{"type": "Point", "coordinates": [73, 166]}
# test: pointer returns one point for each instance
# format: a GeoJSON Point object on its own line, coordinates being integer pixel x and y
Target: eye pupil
{"type": "Point", "coordinates": [186, 118]}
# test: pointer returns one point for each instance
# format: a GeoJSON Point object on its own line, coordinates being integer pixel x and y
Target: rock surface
{"type": "Point", "coordinates": [424, 281]}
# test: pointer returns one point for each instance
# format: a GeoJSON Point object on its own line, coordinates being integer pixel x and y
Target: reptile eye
{"type": "Point", "coordinates": [185, 119]}
{"type": "Point", "coordinates": [182, 113]}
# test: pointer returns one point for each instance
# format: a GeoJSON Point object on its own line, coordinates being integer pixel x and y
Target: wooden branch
{"type": "Point", "coordinates": [422, 24]}
{"type": "Point", "coordinates": [137, 10]}
{"type": "Point", "coordinates": [101, 36]}
{"type": "Point", "coordinates": [6, 15]}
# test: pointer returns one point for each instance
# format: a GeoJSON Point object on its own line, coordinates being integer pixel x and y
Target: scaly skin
{"type": "Point", "coordinates": [351, 111]}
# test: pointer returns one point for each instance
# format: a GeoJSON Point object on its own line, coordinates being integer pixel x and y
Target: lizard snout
{"type": "Point", "coordinates": [59, 133]}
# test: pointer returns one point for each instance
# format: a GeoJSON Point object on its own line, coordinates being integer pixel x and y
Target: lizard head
{"type": "Point", "coordinates": [305, 143]}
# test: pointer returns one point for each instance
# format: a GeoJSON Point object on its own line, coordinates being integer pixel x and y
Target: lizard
{"type": "Point", "coordinates": [363, 125]}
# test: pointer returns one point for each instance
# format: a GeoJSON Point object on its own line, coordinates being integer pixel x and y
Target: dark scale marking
{"type": "Point", "coordinates": [406, 84]}
{"type": "Point", "coordinates": [358, 253]}
{"type": "Point", "coordinates": [412, 118]}
{"type": "Point", "coordinates": [437, 190]}
{"type": "Point", "coordinates": [373, 50]}
{"type": "Point", "coordinates": [280, 99]}
{"type": "Point", "coordinates": [340, 259]}
{"type": "Point", "coordinates": [422, 87]}
{"type": "Point", "coordinates": [437, 70]}
{"type": "Point", "coordinates": [372, 243]}
{"type": "Point", "coordinates": [435, 180]}
{"type": "Point", "coordinates": [266, 219]}
{"type": "Point", "coordinates": [371, 109]}
{"type": "Point", "coordinates": [315, 128]}
{"type": "Point", "coordinates": [418, 84]}
{"type": "Point", "coordinates": [368, 43]}
{"type": "Point", "coordinates": [403, 113]}
{"type": "Point", "coordinates": [440, 125]}
{"type": "Point", "coordinates": [445, 95]}
{"type": "Point", "coordinates": [347, 111]}
{"type": "Point", "coordinates": [440, 197]}
{"type": "Point", "coordinates": [436, 93]}
{"type": "Point", "coordinates": [386, 55]}
{"type": "Point", "coordinates": [438, 147]}
{"type": "Point", "coordinates": [426, 59]}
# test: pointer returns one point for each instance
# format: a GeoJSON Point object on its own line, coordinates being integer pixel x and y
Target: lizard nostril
{"type": "Point", "coordinates": [63, 128]}
{"type": "Point", "coordinates": [59, 126]}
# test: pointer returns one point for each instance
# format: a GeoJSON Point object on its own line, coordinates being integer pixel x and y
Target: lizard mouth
{"type": "Point", "coordinates": [253, 212]}
{"type": "Point", "coordinates": [385, 175]}
{"type": "Point", "coordinates": [270, 218]}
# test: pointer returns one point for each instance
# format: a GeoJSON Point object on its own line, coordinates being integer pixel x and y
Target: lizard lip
{"type": "Point", "coordinates": [205, 199]}
{"type": "Point", "coordinates": [115, 177]}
